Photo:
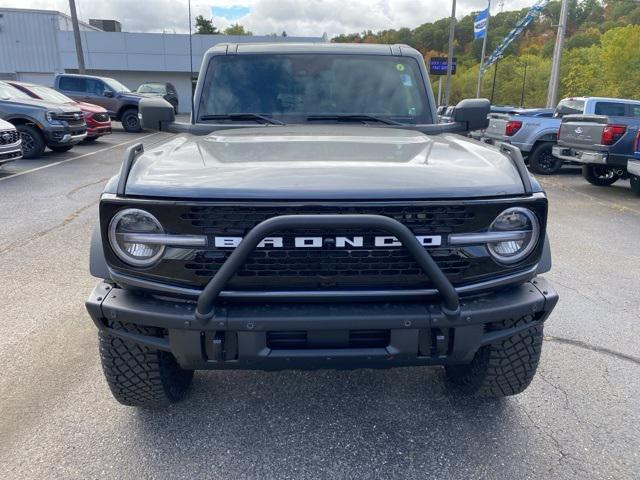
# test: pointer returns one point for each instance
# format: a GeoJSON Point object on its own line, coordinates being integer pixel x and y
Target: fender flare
{"type": "Point", "coordinates": [544, 265]}
{"type": "Point", "coordinates": [97, 262]}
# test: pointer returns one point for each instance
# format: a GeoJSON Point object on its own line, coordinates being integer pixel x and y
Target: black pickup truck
{"type": "Point", "coordinates": [604, 143]}
{"type": "Point", "coordinates": [316, 215]}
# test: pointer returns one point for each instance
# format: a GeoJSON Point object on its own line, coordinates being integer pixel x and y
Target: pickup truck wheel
{"type": "Point", "coordinates": [635, 184]}
{"type": "Point", "coordinates": [130, 121]}
{"type": "Point", "coordinates": [542, 161]}
{"type": "Point", "coordinates": [139, 376]}
{"type": "Point", "coordinates": [32, 141]}
{"type": "Point", "coordinates": [599, 175]}
{"type": "Point", "coordinates": [61, 148]}
{"type": "Point", "coordinates": [504, 368]}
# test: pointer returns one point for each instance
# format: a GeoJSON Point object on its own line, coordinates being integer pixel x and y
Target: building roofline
{"type": "Point", "coordinates": [49, 12]}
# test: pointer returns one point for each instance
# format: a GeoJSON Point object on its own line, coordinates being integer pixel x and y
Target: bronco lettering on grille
{"type": "Point", "coordinates": [319, 242]}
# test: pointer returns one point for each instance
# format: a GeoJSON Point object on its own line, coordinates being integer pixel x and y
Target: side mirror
{"type": "Point", "coordinates": [472, 113]}
{"type": "Point", "coordinates": [108, 93]}
{"type": "Point", "coordinates": [155, 113]}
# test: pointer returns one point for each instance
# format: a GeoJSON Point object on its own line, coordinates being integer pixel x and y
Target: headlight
{"type": "Point", "coordinates": [52, 117]}
{"type": "Point", "coordinates": [122, 237]}
{"type": "Point", "coordinates": [515, 219]}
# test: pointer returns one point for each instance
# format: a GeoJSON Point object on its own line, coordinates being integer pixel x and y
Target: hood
{"type": "Point", "coordinates": [49, 106]}
{"type": "Point", "coordinates": [323, 162]}
{"type": "Point", "coordinates": [90, 107]}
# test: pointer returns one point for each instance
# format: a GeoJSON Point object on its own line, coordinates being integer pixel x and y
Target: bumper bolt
{"type": "Point", "coordinates": [407, 323]}
{"type": "Point", "coordinates": [250, 325]}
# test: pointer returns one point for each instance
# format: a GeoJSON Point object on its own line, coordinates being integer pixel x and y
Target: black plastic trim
{"type": "Point", "coordinates": [132, 154]}
{"type": "Point", "coordinates": [516, 157]}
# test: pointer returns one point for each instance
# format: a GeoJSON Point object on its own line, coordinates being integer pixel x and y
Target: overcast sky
{"type": "Point", "coordinates": [297, 17]}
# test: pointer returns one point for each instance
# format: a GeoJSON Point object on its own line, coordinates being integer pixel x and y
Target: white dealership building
{"type": "Point", "coordinates": [35, 45]}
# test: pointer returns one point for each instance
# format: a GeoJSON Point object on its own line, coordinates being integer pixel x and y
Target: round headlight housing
{"type": "Point", "coordinates": [524, 225]}
{"type": "Point", "coordinates": [128, 224]}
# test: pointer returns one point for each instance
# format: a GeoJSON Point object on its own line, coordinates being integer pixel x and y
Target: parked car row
{"type": "Point", "coordinates": [78, 108]}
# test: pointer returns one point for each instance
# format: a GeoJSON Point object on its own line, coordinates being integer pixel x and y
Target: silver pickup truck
{"type": "Point", "coordinates": [535, 131]}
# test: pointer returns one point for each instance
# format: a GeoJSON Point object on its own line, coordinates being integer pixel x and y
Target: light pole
{"type": "Point", "coordinates": [554, 79]}
{"type": "Point", "coordinates": [452, 32]}
{"type": "Point", "coordinates": [524, 82]}
{"type": "Point", "coordinates": [484, 49]}
{"type": "Point", "coordinates": [76, 36]}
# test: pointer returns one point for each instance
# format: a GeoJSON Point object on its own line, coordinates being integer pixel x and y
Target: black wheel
{"type": "Point", "coordinates": [61, 148]}
{"type": "Point", "coordinates": [90, 139]}
{"type": "Point", "coordinates": [130, 121]}
{"type": "Point", "coordinates": [501, 369]}
{"type": "Point", "coordinates": [635, 184]}
{"type": "Point", "coordinates": [32, 141]}
{"type": "Point", "coordinates": [600, 175]}
{"type": "Point", "coordinates": [139, 376]}
{"type": "Point", "coordinates": [542, 161]}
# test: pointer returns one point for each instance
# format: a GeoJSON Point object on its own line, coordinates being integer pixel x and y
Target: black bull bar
{"type": "Point", "coordinates": [207, 300]}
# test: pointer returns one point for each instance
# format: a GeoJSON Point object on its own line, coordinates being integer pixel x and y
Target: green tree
{"type": "Point", "coordinates": [205, 27]}
{"type": "Point", "coordinates": [236, 29]}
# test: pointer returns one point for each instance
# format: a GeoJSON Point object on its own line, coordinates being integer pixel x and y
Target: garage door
{"type": "Point", "coordinates": [39, 78]}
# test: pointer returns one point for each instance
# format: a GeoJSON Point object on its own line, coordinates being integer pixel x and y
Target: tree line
{"type": "Point", "coordinates": [601, 55]}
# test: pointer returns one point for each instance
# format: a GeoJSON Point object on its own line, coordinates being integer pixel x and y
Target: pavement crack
{"type": "Point", "coordinates": [77, 189]}
{"type": "Point", "coordinates": [593, 348]}
{"type": "Point", "coordinates": [68, 219]}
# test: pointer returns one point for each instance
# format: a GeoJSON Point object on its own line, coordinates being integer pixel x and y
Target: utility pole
{"type": "Point", "coordinates": [452, 32]}
{"type": "Point", "coordinates": [495, 75]}
{"type": "Point", "coordinates": [554, 80]}
{"type": "Point", "coordinates": [524, 82]}
{"type": "Point", "coordinates": [484, 49]}
{"type": "Point", "coordinates": [193, 120]}
{"type": "Point", "coordinates": [76, 36]}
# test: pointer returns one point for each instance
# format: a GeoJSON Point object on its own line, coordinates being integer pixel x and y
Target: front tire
{"type": "Point", "coordinates": [542, 161]}
{"type": "Point", "coordinates": [635, 184]}
{"type": "Point", "coordinates": [504, 368]}
{"type": "Point", "coordinates": [130, 121]}
{"type": "Point", "coordinates": [32, 141]}
{"type": "Point", "coordinates": [599, 175]}
{"type": "Point", "coordinates": [140, 376]}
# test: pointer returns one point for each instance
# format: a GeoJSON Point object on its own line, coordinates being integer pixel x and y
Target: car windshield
{"type": "Point", "coordinates": [570, 106]}
{"type": "Point", "coordinates": [152, 88]}
{"type": "Point", "coordinates": [49, 94]}
{"type": "Point", "coordinates": [8, 92]}
{"type": "Point", "coordinates": [115, 85]}
{"type": "Point", "coordinates": [297, 86]}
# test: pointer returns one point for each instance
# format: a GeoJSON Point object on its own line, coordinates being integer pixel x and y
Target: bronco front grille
{"type": "Point", "coordinates": [9, 137]}
{"type": "Point", "coordinates": [327, 267]}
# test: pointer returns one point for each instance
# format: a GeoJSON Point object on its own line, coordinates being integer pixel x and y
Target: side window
{"type": "Point", "coordinates": [95, 87]}
{"type": "Point", "coordinates": [634, 111]}
{"type": "Point", "coordinates": [72, 84]}
{"type": "Point", "coordinates": [610, 108]}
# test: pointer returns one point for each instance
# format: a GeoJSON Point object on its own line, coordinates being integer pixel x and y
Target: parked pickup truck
{"type": "Point", "coordinates": [633, 166]}
{"type": "Point", "coordinates": [535, 131]}
{"type": "Point", "coordinates": [10, 148]}
{"type": "Point", "coordinates": [603, 143]}
{"type": "Point", "coordinates": [316, 215]}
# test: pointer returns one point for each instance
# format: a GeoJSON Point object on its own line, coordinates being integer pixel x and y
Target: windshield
{"type": "Point", "coordinates": [49, 94]}
{"type": "Point", "coordinates": [8, 92]}
{"type": "Point", "coordinates": [570, 106]}
{"type": "Point", "coordinates": [294, 87]}
{"type": "Point", "coordinates": [115, 85]}
{"type": "Point", "coordinates": [152, 88]}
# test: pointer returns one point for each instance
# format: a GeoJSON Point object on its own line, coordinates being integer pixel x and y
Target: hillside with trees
{"type": "Point", "coordinates": [601, 55]}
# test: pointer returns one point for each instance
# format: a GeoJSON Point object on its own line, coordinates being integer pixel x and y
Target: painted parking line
{"type": "Point", "coordinates": [77, 158]}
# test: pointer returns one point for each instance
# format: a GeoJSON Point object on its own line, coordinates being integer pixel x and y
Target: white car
{"type": "Point", "coordinates": [10, 143]}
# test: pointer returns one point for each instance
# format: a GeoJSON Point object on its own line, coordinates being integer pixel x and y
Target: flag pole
{"type": "Point", "coordinates": [484, 49]}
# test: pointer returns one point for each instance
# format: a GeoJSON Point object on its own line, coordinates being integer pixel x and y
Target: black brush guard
{"type": "Point", "coordinates": [206, 302]}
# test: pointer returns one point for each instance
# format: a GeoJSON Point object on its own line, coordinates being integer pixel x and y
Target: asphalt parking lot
{"type": "Point", "coordinates": [580, 418]}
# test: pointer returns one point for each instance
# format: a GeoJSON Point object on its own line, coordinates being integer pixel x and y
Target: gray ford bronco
{"type": "Point", "coordinates": [314, 214]}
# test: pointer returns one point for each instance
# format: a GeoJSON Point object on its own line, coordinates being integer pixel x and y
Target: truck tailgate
{"type": "Point", "coordinates": [497, 125]}
{"type": "Point", "coordinates": [583, 131]}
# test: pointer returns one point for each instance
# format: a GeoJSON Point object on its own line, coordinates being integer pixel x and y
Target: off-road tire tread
{"type": "Point", "coordinates": [533, 160]}
{"type": "Point", "coordinates": [589, 176]}
{"type": "Point", "coordinates": [503, 369]}
{"type": "Point", "coordinates": [635, 184]}
{"type": "Point", "coordinates": [140, 376]}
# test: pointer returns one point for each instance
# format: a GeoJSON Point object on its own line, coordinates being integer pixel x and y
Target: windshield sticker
{"type": "Point", "coordinates": [406, 80]}
{"type": "Point", "coordinates": [400, 67]}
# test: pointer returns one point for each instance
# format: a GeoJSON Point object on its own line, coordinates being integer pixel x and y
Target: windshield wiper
{"type": "Point", "coordinates": [243, 116]}
{"type": "Point", "coordinates": [352, 117]}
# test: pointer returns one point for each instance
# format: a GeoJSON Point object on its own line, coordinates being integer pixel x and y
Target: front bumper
{"type": "Point", "coordinates": [580, 156]}
{"type": "Point", "coordinates": [321, 335]}
{"type": "Point", "coordinates": [62, 135]}
{"type": "Point", "coordinates": [98, 129]}
{"type": "Point", "coordinates": [9, 153]}
{"type": "Point", "coordinates": [633, 167]}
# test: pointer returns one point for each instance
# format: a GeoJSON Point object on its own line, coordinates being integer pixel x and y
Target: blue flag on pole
{"type": "Point", "coordinates": [480, 24]}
